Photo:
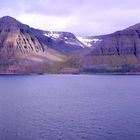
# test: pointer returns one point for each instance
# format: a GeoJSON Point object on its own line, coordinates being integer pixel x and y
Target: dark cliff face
{"type": "Point", "coordinates": [125, 42]}
{"type": "Point", "coordinates": [17, 38]}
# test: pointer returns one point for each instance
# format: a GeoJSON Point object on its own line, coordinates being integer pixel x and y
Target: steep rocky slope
{"type": "Point", "coordinates": [22, 51]}
{"type": "Point", "coordinates": [116, 52]}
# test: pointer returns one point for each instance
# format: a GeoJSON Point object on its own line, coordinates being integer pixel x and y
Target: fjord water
{"type": "Point", "coordinates": [70, 107]}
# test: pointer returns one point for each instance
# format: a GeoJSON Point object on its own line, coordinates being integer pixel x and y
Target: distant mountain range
{"type": "Point", "coordinates": [26, 50]}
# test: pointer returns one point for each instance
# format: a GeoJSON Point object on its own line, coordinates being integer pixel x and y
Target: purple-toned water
{"type": "Point", "coordinates": [70, 107]}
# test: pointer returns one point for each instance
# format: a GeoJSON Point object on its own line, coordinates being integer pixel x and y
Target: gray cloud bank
{"type": "Point", "coordinates": [82, 17]}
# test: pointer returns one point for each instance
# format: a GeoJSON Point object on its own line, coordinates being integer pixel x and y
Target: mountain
{"type": "Point", "coordinates": [24, 49]}
{"type": "Point", "coordinates": [61, 41]}
{"type": "Point", "coordinates": [21, 49]}
{"type": "Point", "coordinates": [116, 52]}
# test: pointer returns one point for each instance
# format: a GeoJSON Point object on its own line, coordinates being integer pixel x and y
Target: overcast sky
{"type": "Point", "coordinates": [82, 17]}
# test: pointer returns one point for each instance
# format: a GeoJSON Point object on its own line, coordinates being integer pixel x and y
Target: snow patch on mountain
{"type": "Point", "coordinates": [52, 34]}
{"type": "Point", "coordinates": [88, 41]}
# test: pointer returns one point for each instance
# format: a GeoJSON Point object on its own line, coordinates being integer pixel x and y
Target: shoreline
{"type": "Point", "coordinates": [30, 74]}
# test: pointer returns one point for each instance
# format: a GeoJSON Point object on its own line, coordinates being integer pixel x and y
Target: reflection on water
{"type": "Point", "coordinates": [69, 107]}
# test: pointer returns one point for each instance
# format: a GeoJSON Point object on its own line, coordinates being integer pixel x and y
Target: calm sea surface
{"type": "Point", "coordinates": [70, 107]}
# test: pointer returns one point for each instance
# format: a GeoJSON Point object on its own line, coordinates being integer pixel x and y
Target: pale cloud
{"type": "Point", "coordinates": [43, 22]}
{"type": "Point", "coordinates": [82, 17]}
